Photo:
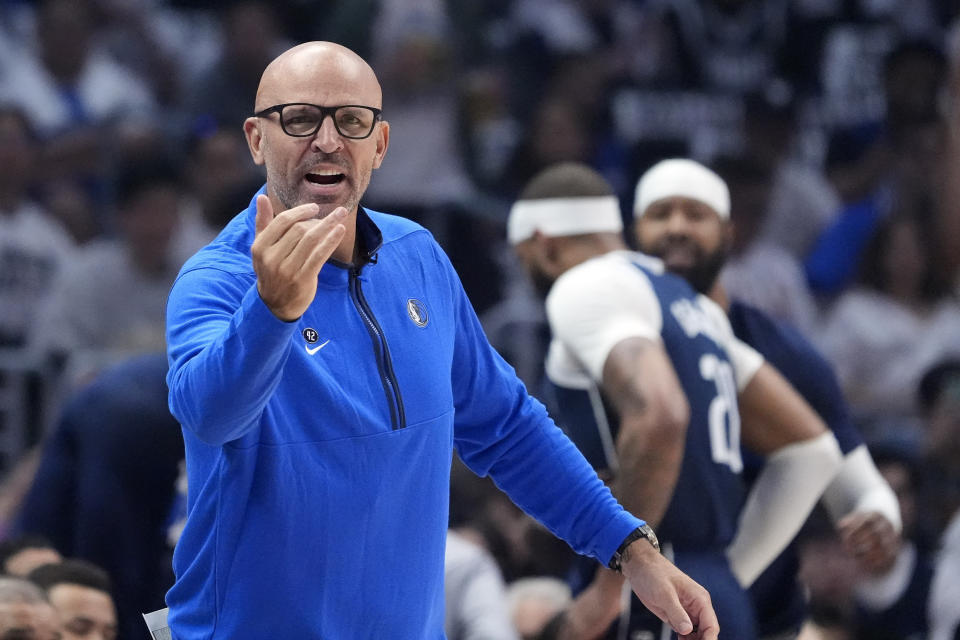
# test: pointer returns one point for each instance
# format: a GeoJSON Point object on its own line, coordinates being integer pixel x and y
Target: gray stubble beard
{"type": "Point", "coordinates": [291, 198]}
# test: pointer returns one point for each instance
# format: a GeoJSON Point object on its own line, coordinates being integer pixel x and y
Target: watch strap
{"type": "Point", "coordinates": [643, 531]}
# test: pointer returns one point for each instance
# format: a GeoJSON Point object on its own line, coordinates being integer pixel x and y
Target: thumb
{"type": "Point", "coordinates": [678, 619]}
{"type": "Point", "coordinates": [264, 213]}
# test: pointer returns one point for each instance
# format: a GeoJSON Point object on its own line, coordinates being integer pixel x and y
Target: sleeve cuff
{"type": "Point", "coordinates": [613, 534]}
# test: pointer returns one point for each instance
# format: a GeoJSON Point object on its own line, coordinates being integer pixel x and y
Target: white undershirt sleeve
{"type": "Point", "coordinates": [745, 359]}
{"type": "Point", "coordinates": [599, 303]}
{"type": "Point", "coordinates": [859, 487]}
{"type": "Point", "coordinates": [786, 491]}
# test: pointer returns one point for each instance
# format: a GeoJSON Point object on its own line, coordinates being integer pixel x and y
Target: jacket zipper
{"type": "Point", "coordinates": [398, 419]}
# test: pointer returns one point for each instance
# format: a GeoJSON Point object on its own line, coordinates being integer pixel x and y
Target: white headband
{"type": "Point", "coordinates": [563, 217]}
{"type": "Point", "coordinates": [684, 178]}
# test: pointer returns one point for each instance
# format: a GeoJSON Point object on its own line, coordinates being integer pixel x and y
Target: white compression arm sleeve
{"type": "Point", "coordinates": [780, 501]}
{"type": "Point", "coordinates": [859, 487]}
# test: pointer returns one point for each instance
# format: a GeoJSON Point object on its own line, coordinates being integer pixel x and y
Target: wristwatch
{"type": "Point", "coordinates": [643, 531]}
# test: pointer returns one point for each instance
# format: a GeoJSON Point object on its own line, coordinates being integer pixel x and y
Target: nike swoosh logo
{"type": "Point", "coordinates": [316, 348]}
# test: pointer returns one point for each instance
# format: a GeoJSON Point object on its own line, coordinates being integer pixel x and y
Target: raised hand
{"type": "Point", "coordinates": [289, 250]}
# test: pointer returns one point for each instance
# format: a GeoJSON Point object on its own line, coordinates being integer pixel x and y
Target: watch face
{"type": "Point", "coordinates": [650, 536]}
{"type": "Point", "coordinates": [643, 531]}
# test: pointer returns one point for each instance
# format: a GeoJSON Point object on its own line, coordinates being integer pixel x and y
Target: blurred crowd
{"type": "Point", "coordinates": [836, 124]}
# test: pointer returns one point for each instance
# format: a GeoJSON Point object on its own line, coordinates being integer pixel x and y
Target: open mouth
{"type": "Point", "coordinates": [325, 177]}
{"type": "Point", "coordinates": [679, 254]}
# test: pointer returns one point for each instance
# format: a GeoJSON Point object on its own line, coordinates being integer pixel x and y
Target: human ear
{"type": "Point", "coordinates": [383, 141]}
{"type": "Point", "coordinates": [551, 250]}
{"type": "Point", "coordinates": [251, 129]}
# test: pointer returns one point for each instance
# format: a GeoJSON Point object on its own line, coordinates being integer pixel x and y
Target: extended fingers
{"type": "Point", "coordinates": [672, 595]}
{"type": "Point", "coordinates": [278, 226]}
{"type": "Point", "coordinates": [292, 226]}
{"type": "Point", "coordinates": [697, 607]}
{"type": "Point", "coordinates": [678, 619]}
{"type": "Point", "coordinates": [288, 254]}
{"type": "Point", "coordinates": [264, 213]}
{"type": "Point", "coordinates": [671, 603]}
{"type": "Point", "coordinates": [316, 247]}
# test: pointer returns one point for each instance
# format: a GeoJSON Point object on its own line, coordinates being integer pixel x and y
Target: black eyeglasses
{"type": "Point", "coordinates": [301, 120]}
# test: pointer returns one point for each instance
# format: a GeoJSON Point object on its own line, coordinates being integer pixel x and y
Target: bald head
{"type": "Point", "coordinates": [325, 167]}
{"type": "Point", "coordinates": [327, 66]}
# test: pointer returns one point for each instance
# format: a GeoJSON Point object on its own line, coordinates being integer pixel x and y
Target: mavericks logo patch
{"type": "Point", "coordinates": [417, 312]}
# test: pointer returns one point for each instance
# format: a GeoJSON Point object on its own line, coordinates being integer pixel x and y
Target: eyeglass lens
{"type": "Point", "coordinates": [351, 122]}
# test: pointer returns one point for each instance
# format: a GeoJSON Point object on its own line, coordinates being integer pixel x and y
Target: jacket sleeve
{"type": "Point", "coordinates": [226, 351]}
{"type": "Point", "coordinates": [502, 431]}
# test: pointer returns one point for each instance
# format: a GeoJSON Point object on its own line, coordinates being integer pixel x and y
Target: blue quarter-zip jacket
{"type": "Point", "coordinates": [318, 451]}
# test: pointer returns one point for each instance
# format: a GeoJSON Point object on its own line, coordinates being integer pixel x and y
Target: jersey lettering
{"type": "Point", "coordinates": [724, 443]}
{"type": "Point", "coordinates": [694, 320]}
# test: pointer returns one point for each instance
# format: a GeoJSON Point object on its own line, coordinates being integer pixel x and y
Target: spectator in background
{"type": "Point", "coordinates": [939, 400]}
{"type": "Point", "coordinates": [34, 247]}
{"type": "Point", "coordinates": [142, 36]}
{"type": "Point", "coordinates": [517, 327]}
{"type": "Point", "coordinates": [757, 271]}
{"type": "Point", "coordinates": [556, 131]}
{"type": "Point", "coordinates": [881, 168]}
{"type": "Point", "coordinates": [801, 200]}
{"type": "Point", "coordinates": [217, 179]}
{"type": "Point", "coordinates": [111, 301]}
{"type": "Point", "coordinates": [414, 55]}
{"type": "Point", "coordinates": [106, 482]}
{"type": "Point", "coordinates": [947, 210]}
{"type": "Point", "coordinates": [945, 590]}
{"type": "Point", "coordinates": [72, 205]}
{"type": "Point", "coordinates": [891, 604]}
{"type": "Point", "coordinates": [218, 171]}
{"type": "Point", "coordinates": [77, 97]}
{"type": "Point", "coordinates": [25, 612]}
{"type": "Point", "coordinates": [882, 335]}
{"type": "Point", "coordinates": [474, 593]}
{"type": "Point", "coordinates": [252, 37]}
{"type": "Point", "coordinates": [534, 602]}
{"type": "Point", "coordinates": [521, 546]}
{"type": "Point", "coordinates": [68, 84]}
{"type": "Point", "coordinates": [489, 130]}
{"type": "Point", "coordinates": [939, 395]}
{"type": "Point", "coordinates": [728, 46]}
{"type": "Point", "coordinates": [20, 555]}
{"type": "Point", "coordinates": [829, 575]}
{"type": "Point", "coordinates": [80, 593]}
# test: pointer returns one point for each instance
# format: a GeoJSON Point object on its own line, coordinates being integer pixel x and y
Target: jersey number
{"type": "Point", "coordinates": [724, 418]}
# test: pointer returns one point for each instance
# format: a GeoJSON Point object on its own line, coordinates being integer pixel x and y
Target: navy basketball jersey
{"type": "Point", "coordinates": [709, 491]}
{"type": "Point", "coordinates": [629, 294]}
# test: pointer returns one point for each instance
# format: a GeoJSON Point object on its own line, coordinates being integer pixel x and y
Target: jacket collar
{"type": "Point", "coordinates": [369, 237]}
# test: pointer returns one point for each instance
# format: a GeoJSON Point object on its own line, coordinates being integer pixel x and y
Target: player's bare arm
{"type": "Point", "coordinates": [773, 414]}
{"type": "Point", "coordinates": [289, 250]}
{"type": "Point", "coordinates": [639, 380]}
